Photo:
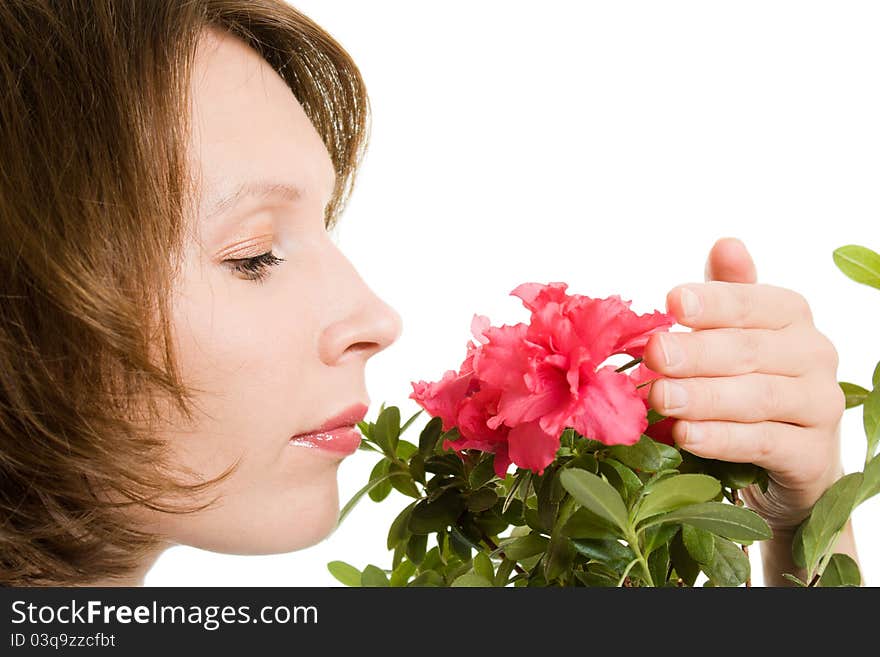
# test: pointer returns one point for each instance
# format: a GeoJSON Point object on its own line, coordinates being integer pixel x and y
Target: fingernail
{"type": "Point", "coordinates": [671, 350]}
{"type": "Point", "coordinates": [690, 303]}
{"type": "Point", "coordinates": [693, 434]}
{"type": "Point", "coordinates": [674, 396]}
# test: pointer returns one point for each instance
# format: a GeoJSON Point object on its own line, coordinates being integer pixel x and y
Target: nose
{"type": "Point", "coordinates": [369, 328]}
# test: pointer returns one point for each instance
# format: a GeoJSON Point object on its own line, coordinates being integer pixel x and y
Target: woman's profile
{"type": "Point", "coordinates": [180, 338]}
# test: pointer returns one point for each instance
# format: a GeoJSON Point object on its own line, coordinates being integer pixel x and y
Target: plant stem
{"type": "Point", "coordinates": [745, 548]}
{"type": "Point", "coordinates": [494, 546]}
{"type": "Point", "coordinates": [634, 544]}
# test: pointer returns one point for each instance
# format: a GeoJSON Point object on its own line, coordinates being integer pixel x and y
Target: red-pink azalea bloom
{"type": "Point", "coordinates": [523, 384]}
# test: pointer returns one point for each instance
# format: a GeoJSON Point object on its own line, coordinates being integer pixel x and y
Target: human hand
{"type": "Point", "coordinates": [760, 383]}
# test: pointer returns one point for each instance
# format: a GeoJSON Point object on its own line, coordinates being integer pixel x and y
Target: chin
{"type": "Point", "coordinates": [280, 524]}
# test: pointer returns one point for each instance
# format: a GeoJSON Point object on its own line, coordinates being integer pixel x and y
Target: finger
{"type": "Point", "coordinates": [729, 260]}
{"type": "Point", "coordinates": [779, 447]}
{"type": "Point", "coordinates": [752, 397]}
{"type": "Point", "coordinates": [734, 351]}
{"type": "Point", "coordinates": [719, 304]}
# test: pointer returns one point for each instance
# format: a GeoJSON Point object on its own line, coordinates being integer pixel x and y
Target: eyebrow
{"type": "Point", "coordinates": [259, 189]}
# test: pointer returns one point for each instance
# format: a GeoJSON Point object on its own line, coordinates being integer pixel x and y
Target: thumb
{"type": "Point", "coordinates": [729, 261]}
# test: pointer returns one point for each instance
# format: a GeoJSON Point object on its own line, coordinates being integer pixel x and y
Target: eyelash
{"type": "Point", "coordinates": [256, 268]}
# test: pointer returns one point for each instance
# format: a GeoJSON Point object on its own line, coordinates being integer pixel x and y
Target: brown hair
{"type": "Point", "coordinates": [94, 200]}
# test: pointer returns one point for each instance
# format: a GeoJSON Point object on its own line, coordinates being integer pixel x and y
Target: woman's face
{"type": "Point", "coordinates": [276, 357]}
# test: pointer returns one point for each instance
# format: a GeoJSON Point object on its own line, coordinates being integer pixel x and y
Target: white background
{"type": "Point", "coordinates": [607, 145]}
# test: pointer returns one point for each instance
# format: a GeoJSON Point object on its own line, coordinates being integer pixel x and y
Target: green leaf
{"type": "Point", "coordinates": [794, 580]}
{"type": "Point", "coordinates": [505, 568]}
{"type": "Point", "coordinates": [483, 472]}
{"type": "Point", "coordinates": [855, 394]}
{"type": "Point", "coordinates": [380, 475]}
{"type": "Point", "coordinates": [699, 543]}
{"type": "Point", "coordinates": [429, 435]}
{"type": "Point", "coordinates": [610, 552]}
{"type": "Point", "coordinates": [841, 571]}
{"type": "Point", "coordinates": [729, 566]}
{"type": "Point", "coordinates": [410, 420]}
{"type": "Point", "coordinates": [875, 379]}
{"type": "Point", "coordinates": [685, 565]}
{"type": "Point", "coordinates": [471, 579]}
{"type": "Point", "coordinates": [733, 522]}
{"type": "Point", "coordinates": [386, 432]}
{"type": "Point", "coordinates": [643, 455]}
{"type": "Point", "coordinates": [428, 578]}
{"type": "Point", "coordinates": [624, 480]}
{"type": "Point", "coordinates": [597, 495]}
{"type": "Point", "coordinates": [828, 516]}
{"type": "Point", "coordinates": [416, 546]}
{"type": "Point", "coordinates": [427, 517]}
{"type": "Point", "coordinates": [583, 523]}
{"type": "Point", "coordinates": [345, 573]}
{"type": "Point", "coordinates": [658, 535]}
{"type": "Point", "coordinates": [524, 546]}
{"type": "Point", "coordinates": [483, 566]}
{"type": "Point", "coordinates": [675, 492]}
{"type": "Point", "coordinates": [398, 530]}
{"type": "Point", "coordinates": [734, 475]}
{"type": "Point", "coordinates": [374, 576]}
{"type": "Point", "coordinates": [870, 481]}
{"type": "Point", "coordinates": [405, 449]}
{"type": "Point", "coordinates": [658, 565]}
{"type": "Point", "coordinates": [402, 480]}
{"type": "Point", "coordinates": [481, 500]}
{"type": "Point", "coordinates": [400, 575]}
{"type": "Point", "coordinates": [871, 420]}
{"type": "Point", "coordinates": [560, 555]}
{"type": "Point", "coordinates": [859, 263]}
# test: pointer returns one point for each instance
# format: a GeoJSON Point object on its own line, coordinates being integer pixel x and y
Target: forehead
{"type": "Point", "coordinates": [248, 125]}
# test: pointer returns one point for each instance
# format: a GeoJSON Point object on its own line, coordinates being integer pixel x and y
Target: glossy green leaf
{"type": "Point", "coordinates": [658, 535]}
{"type": "Point", "coordinates": [644, 456]}
{"type": "Point", "coordinates": [734, 475]}
{"type": "Point", "coordinates": [658, 565]}
{"type": "Point", "coordinates": [405, 449]}
{"type": "Point", "coordinates": [471, 579]}
{"type": "Point", "coordinates": [399, 530]}
{"type": "Point", "coordinates": [871, 420]}
{"type": "Point", "coordinates": [374, 576]}
{"type": "Point", "coordinates": [410, 420]}
{"type": "Point", "coordinates": [675, 492]}
{"type": "Point", "coordinates": [427, 517]}
{"type": "Point", "coordinates": [428, 578]}
{"type": "Point", "coordinates": [483, 472]}
{"type": "Point", "coordinates": [429, 435]}
{"type": "Point", "coordinates": [379, 474]}
{"type": "Point", "coordinates": [870, 481]}
{"type": "Point", "coordinates": [621, 478]}
{"type": "Point", "coordinates": [559, 557]}
{"type": "Point", "coordinates": [386, 431]}
{"type": "Point", "coordinates": [859, 263]}
{"type": "Point", "coordinates": [828, 516]}
{"type": "Point", "coordinates": [345, 573]}
{"type": "Point", "coordinates": [416, 546]}
{"type": "Point", "coordinates": [841, 571]}
{"type": "Point", "coordinates": [684, 564]}
{"type": "Point", "coordinates": [699, 543]}
{"type": "Point", "coordinates": [733, 522]}
{"type": "Point", "coordinates": [483, 566]}
{"type": "Point", "coordinates": [401, 574]}
{"type": "Point", "coordinates": [855, 394]}
{"type": "Point", "coordinates": [583, 523]}
{"type": "Point", "coordinates": [481, 500]}
{"type": "Point", "coordinates": [502, 575]}
{"type": "Point", "coordinates": [729, 566]}
{"type": "Point", "coordinates": [402, 480]}
{"type": "Point", "coordinates": [609, 552]}
{"type": "Point", "coordinates": [794, 580]}
{"type": "Point", "coordinates": [524, 546]}
{"type": "Point", "coordinates": [594, 493]}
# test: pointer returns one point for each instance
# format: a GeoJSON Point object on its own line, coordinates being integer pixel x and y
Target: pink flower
{"type": "Point", "coordinates": [523, 384]}
{"type": "Point", "coordinates": [660, 431]}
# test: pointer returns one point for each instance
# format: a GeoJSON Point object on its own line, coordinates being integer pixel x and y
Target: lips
{"type": "Point", "coordinates": [337, 434]}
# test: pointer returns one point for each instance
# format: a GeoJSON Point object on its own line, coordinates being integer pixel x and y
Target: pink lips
{"type": "Point", "coordinates": [338, 434]}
